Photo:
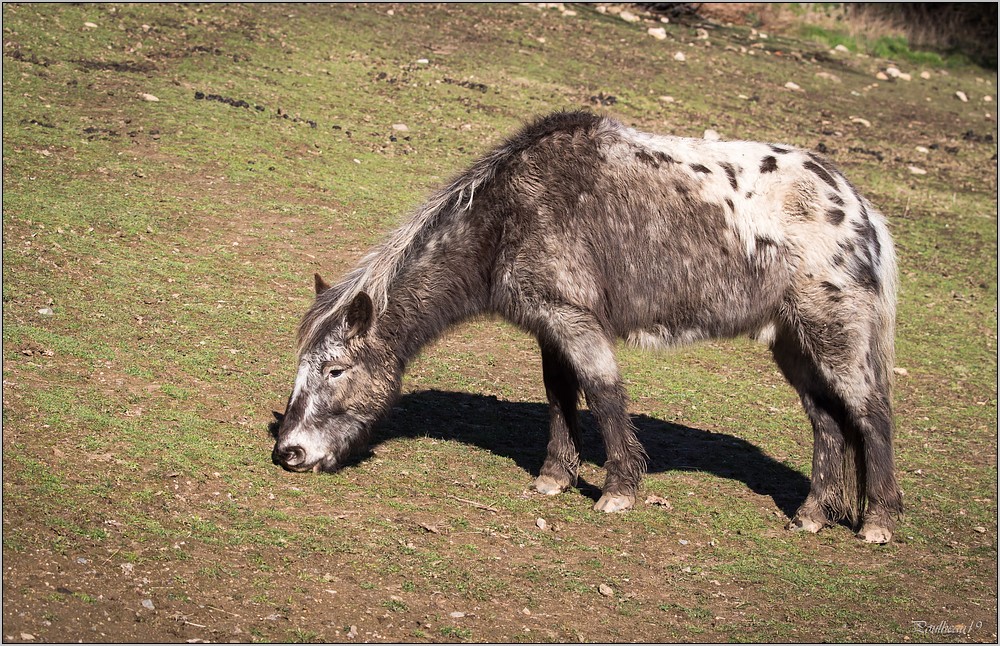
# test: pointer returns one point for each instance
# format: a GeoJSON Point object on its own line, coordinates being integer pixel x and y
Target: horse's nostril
{"type": "Point", "coordinates": [293, 456]}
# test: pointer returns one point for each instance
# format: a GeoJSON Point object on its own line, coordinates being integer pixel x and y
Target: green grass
{"type": "Point", "coordinates": [135, 418]}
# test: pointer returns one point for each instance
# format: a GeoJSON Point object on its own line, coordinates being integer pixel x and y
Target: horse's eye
{"type": "Point", "coordinates": [332, 372]}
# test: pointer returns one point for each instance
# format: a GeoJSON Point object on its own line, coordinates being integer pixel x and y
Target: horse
{"type": "Point", "coordinates": [582, 231]}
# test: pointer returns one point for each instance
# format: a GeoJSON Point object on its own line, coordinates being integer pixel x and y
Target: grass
{"type": "Point", "coordinates": [177, 263]}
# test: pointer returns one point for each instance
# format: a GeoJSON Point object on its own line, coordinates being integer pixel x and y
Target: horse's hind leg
{"type": "Point", "coordinates": [562, 460]}
{"type": "Point", "coordinates": [825, 502]}
{"type": "Point", "coordinates": [840, 363]}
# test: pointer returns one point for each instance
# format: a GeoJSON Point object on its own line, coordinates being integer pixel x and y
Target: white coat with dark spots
{"type": "Point", "coordinates": [583, 231]}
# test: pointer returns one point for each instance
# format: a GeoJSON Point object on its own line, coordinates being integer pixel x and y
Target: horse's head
{"type": "Point", "coordinates": [347, 379]}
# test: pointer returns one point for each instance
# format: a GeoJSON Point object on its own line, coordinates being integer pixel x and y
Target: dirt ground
{"type": "Point", "coordinates": [172, 242]}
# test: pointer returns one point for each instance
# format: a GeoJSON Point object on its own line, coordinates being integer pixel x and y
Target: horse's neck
{"type": "Point", "coordinates": [441, 285]}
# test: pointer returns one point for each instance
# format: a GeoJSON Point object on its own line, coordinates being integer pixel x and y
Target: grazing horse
{"type": "Point", "coordinates": [581, 231]}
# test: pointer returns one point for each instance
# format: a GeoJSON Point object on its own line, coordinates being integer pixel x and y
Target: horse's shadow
{"type": "Point", "coordinates": [519, 431]}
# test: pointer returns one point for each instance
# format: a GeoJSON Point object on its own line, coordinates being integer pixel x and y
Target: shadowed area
{"type": "Point", "coordinates": [519, 431]}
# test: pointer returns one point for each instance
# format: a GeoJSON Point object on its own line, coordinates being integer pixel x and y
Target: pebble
{"type": "Point", "coordinates": [902, 372]}
{"type": "Point", "coordinates": [46, 311]}
{"type": "Point", "coordinates": [420, 61]}
{"type": "Point", "coordinates": [882, 76]}
{"type": "Point", "coordinates": [605, 590]}
{"type": "Point", "coordinates": [962, 96]}
{"type": "Point", "coordinates": [148, 604]}
{"type": "Point", "coordinates": [541, 524]}
{"type": "Point", "coordinates": [628, 16]}
{"type": "Point", "coordinates": [456, 615]}
{"type": "Point", "coordinates": [148, 97]}
{"type": "Point", "coordinates": [90, 25]}
{"type": "Point", "coordinates": [791, 85]}
{"type": "Point", "coordinates": [861, 121]}
{"type": "Point", "coordinates": [400, 127]}
{"type": "Point", "coordinates": [701, 34]}
{"type": "Point", "coordinates": [711, 135]}
{"type": "Point", "coordinates": [353, 632]}
{"type": "Point", "coordinates": [841, 48]}
{"type": "Point", "coordinates": [659, 33]}
{"type": "Point", "coordinates": [828, 76]}
{"type": "Point", "coordinates": [916, 170]}
{"type": "Point", "coordinates": [679, 56]}
{"type": "Point", "coordinates": [980, 530]}
{"type": "Point", "coordinates": [923, 149]}
{"type": "Point", "coordinates": [667, 99]}
{"type": "Point", "coordinates": [925, 75]}
{"type": "Point", "coordinates": [893, 72]}
{"type": "Point", "coordinates": [988, 98]}
{"type": "Point", "coordinates": [27, 637]}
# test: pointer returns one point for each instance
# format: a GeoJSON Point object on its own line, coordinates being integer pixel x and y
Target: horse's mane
{"type": "Point", "coordinates": [375, 273]}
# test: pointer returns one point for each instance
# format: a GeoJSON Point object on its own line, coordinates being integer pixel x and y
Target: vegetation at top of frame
{"type": "Point", "coordinates": [948, 34]}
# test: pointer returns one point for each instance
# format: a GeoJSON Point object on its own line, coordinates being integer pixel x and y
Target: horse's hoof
{"type": "Point", "coordinates": [875, 534]}
{"type": "Point", "coordinates": [610, 503]}
{"type": "Point", "coordinates": [549, 485]}
{"type": "Point", "coordinates": [800, 524]}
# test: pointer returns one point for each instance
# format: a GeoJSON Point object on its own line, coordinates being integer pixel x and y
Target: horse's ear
{"type": "Point", "coordinates": [360, 315]}
{"type": "Point", "coordinates": [321, 285]}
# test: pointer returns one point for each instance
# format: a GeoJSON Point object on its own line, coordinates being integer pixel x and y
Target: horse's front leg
{"type": "Point", "coordinates": [562, 460]}
{"type": "Point", "coordinates": [589, 352]}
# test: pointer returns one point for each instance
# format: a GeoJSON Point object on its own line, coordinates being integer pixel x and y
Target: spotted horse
{"type": "Point", "coordinates": [582, 231]}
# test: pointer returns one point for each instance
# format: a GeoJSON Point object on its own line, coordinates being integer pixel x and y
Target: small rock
{"type": "Point", "coordinates": [979, 530]}
{"type": "Point", "coordinates": [456, 615]}
{"type": "Point", "coordinates": [684, 542]}
{"type": "Point", "coordinates": [420, 61]}
{"type": "Point", "coordinates": [902, 372]}
{"type": "Point", "coordinates": [882, 76]}
{"type": "Point", "coordinates": [541, 524]}
{"type": "Point", "coordinates": [842, 49]}
{"type": "Point", "coordinates": [148, 604]}
{"type": "Point", "coordinates": [659, 33]}
{"type": "Point", "coordinates": [861, 122]}
{"type": "Point", "coordinates": [828, 76]}
{"type": "Point", "coordinates": [28, 636]}
{"type": "Point", "coordinates": [925, 75]}
{"type": "Point", "coordinates": [905, 77]}
{"type": "Point", "coordinates": [686, 569]}
{"type": "Point", "coordinates": [988, 98]}
{"type": "Point", "coordinates": [81, 560]}
{"type": "Point", "coordinates": [711, 135]}
{"type": "Point", "coordinates": [667, 99]}
{"type": "Point", "coordinates": [923, 149]}
{"type": "Point", "coordinates": [525, 612]}
{"type": "Point", "coordinates": [90, 25]}
{"type": "Point", "coordinates": [916, 170]}
{"type": "Point", "coordinates": [657, 500]}
{"type": "Point", "coordinates": [962, 96]}
{"type": "Point", "coordinates": [893, 72]}
{"type": "Point", "coordinates": [605, 590]}
{"type": "Point", "coordinates": [400, 127]}
{"type": "Point", "coordinates": [628, 16]}
{"type": "Point", "coordinates": [679, 56]}
{"type": "Point", "coordinates": [148, 97]}
{"type": "Point", "coordinates": [792, 86]}
{"type": "Point", "coordinates": [352, 633]}
{"type": "Point", "coordinates": [701, 34]}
